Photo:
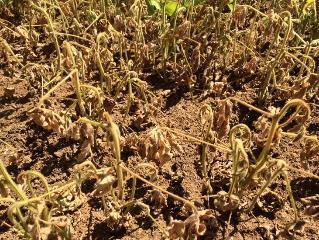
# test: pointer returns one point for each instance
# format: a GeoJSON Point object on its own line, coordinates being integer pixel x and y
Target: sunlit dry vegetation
{"type": "Point", "coordinates": [169, 119]}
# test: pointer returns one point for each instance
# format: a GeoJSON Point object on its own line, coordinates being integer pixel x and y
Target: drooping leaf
{"type": "Point", "coordinates": [231, 5]}
{"type": "Point", "coordinates": [171, 7]}
{"type": "Point", "coordinates": [153, 5]}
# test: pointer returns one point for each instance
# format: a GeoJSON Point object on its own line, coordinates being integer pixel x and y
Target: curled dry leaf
{"type": "Point", "coordinates": [104, 185]}
{"type": "Point", "coordinates": [225, 203]}
{"type": "Point", "coordinates": [69, 200]}
{"type": "Point", "coordinates": [177, 229]}
{"type": "Point", "coordinates": [196, 58]}
{"type": "Point", "coordinates": [113, 215]}
{"type": "Point", "coordinates": [48, 119]}
{"type": "Point", "coordinates": [299, 89]}
{"type": "Point", "coordinates": [310, 149]}
{"type": "Point", "coordinates": [62, 225]}
{"type": "Point", "coordinates": [36, 220]}
{"type": "Point", "coordinates": [240, 14]}
{"type": "Point", "coordinates": [251, 66]}
{"type": "Point", "coordinates": [157, 145]}
{"type": "Point", "coordinates": [193, 226]}
{"type": "Point", "coordinates": [312, 206]}
{"type": "Point", "coordinates": [222, 115]}
{"type": "Point", "coordinates": [263, 126]}
{"type": "Point", "coordinates": [85, 132]}
{"type": "Point", "coordinates": [158, 198]}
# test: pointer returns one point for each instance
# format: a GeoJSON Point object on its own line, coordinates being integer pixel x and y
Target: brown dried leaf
{"type": "Point", "coordinates": [158, 198]}
{"type": "Point", "coordinates": [177, 229]}
{"type": "Point", "coordinates": [157, 145]}
{"type": "Point", "coordinates": [222, 115]}
{"type": "Point", "coordinates": [226, 203]}
{"type": "Point", "coordinates": [310, 149]}
{"type": "Point", "coordinates": [69, 200]}
{"type": "Point", "coordinates": [299, 89]}
{"type": "Point", "coordinates": [240, 14]}
{"type": "Point", "coordinates": [193, 226]}
{"type": "Point", "coordinates": [104, 185]}
{"type": "Point", "coordinates": [85, 132]}
{"type": "Point", "coordinates": [48, 119]}
{"type": "Point", "coordinates": [216, 88]}
{"type": "Point", "coordinates": [263, 125]}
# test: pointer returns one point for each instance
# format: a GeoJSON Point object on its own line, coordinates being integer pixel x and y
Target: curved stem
{"type": "Point", "coordinates": [50, 24]}
{"type": "Point", "coordinates": [12, 185]}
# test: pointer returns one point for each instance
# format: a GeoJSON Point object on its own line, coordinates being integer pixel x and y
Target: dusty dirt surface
{"type": "Point", "coordinates": [28, 146]}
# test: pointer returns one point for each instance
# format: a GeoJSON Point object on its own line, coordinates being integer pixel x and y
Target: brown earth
{"type": "Point", "coordinates": [54, 157]}
{"type": "Point", "coordinates": [45, 152]}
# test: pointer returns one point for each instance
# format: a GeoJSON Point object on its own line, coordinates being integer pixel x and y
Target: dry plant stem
{"type": "Point", "coordinates": [281, 170]}
{"type": "Point", "coordinates": [28, 175]}
{"type": "Point", "coordinates": [8, 48]}
{"type": "Point", "coordinates": [269, 181]}
{"type": "Point", "coordinates": [297, 170]}
{"type": "Point", "coordinates": [76, 83]}
{"type": "Point", "coordinates": [95, 20]}
{"type": "Point", "coordinates": [235, 157]}
{"type": "Point", "coordinates": [142, 165]}
{"type": "Point", "coordinates": [74, 75]}
{"type": "Point", "coordinates": [238, 153]}
{"type": "Point", "coordinates": [176, 197]}
{"type": "Point", "coordinates": [270, 74]}
{"type": "Point", "coordinates": [180, 133]}
{"type": "Point", "coordinates": [275, 125]}
{"type": "Point", "coordinates": [307, 51]}
{"type": "Point", "coordinates": [279, 56]}
{"type": "Point", "coordinates": [16, 207]}
{"type": "Point", "coordinates": [115, 133]}
{"type": "Point", "coordinates": [64, 19]}
{"type": "Point", "coordinates": [289, 190]}
{"type": "Point", "coordinates": [50, 24]}
{"type": "Point", "coordinates": [11, 184]}
{"type": "Point", "coordinates": [104, 78]}
{"type": "Point", "coordinates": [303, 64]}
{"type": "Point", "coordinates": [189, 82]}
{"type": "Point", "coordinates": [267, 114]}
{"type": "Point", "coordinates": [69, 54]}
{"type": "Point", "coordinates": [174, 33]}
{"type": "Point", "coordinates": [142, 205]}
{"type": "Point", "coordinates": [75, 36]}
{"type": "Point", "coordinates": [47, 95]}
{"type": "Point", "coordinates": [265, 15]}
{"type": "Point", "coordinates": [206, 109]}
{"type": "Point", "coordinates": [96, 92]}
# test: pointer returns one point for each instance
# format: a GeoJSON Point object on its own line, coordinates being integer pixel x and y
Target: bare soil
{"type": "Point", "coordinates": [53, 156]}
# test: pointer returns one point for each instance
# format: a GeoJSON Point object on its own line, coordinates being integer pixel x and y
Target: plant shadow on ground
{"type": "Point", "coordinates": [101, 231]}
{"type": "Point", "coordinates": [304, 187]}
{"type": "Point", "coordinates": [38, 141]}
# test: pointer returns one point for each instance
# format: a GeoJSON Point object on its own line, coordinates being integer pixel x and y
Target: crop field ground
{"type": "Point", "coordinates": [159, 119]}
